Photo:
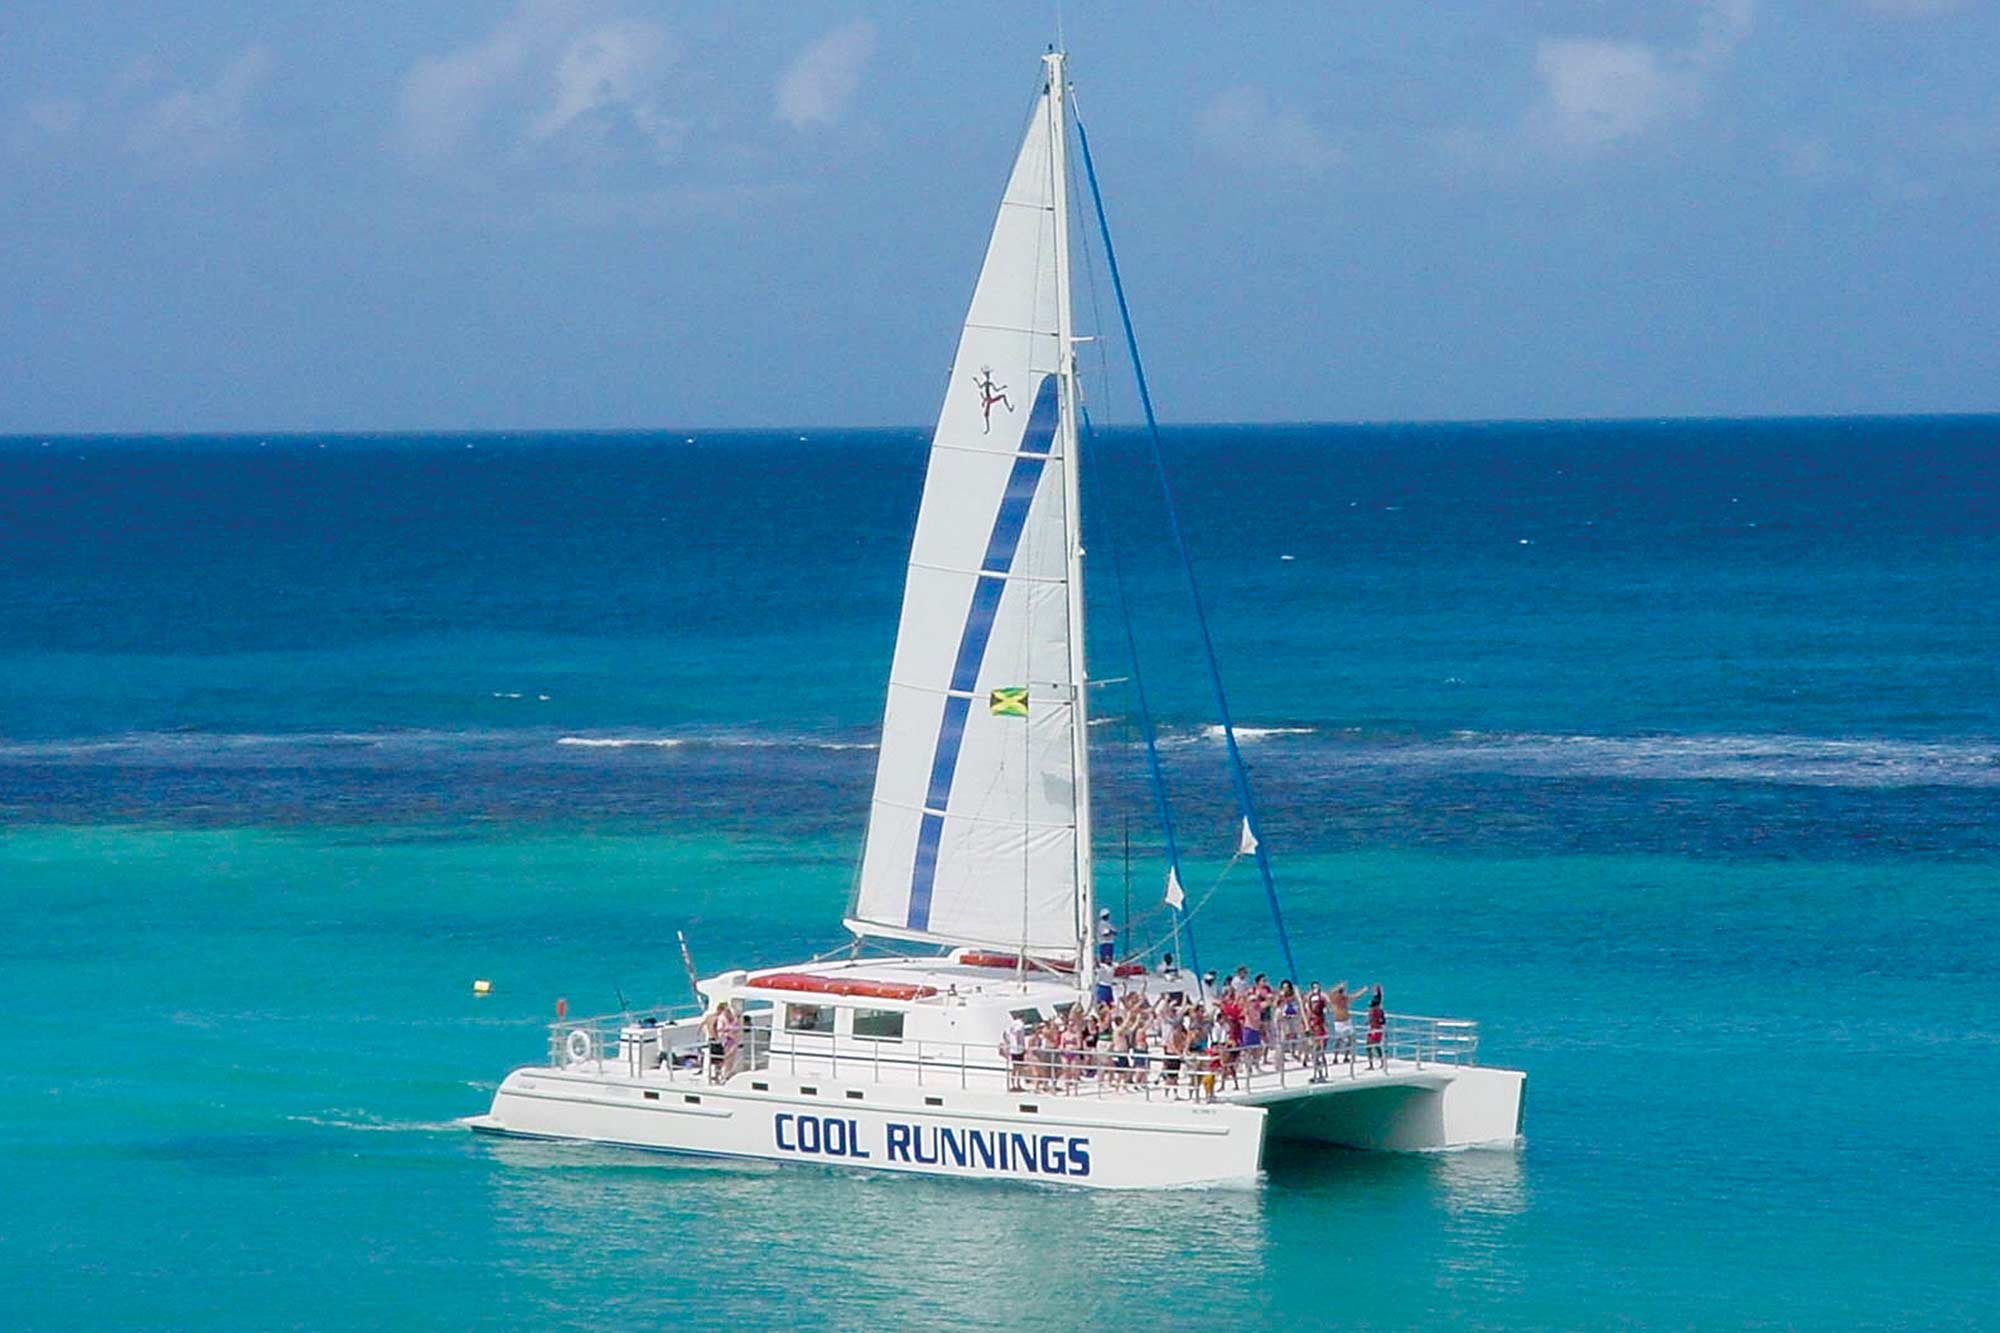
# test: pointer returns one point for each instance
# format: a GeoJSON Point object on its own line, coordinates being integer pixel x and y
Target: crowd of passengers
{"type": "Point", "coordinates": [1186, 1037]}
{"type": "Point", "coordinates": [1192, 1039]}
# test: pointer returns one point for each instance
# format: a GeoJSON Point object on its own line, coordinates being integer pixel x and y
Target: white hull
{"type": "Point", "coordinates": [1404, 1109]}
{"type": "Point", "coordinates": [1121, 1141]}
{"type": "Point", "coordinates": [1099, 1143]}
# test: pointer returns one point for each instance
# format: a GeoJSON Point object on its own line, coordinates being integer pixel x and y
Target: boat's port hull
{"type": "Point", "coordinates": [1090, 1142]}
{"type": "Point", "coordinates": [1418, 1111]}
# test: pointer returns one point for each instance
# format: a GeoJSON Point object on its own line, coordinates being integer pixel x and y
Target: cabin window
{"type": "Point", "coordinates": [879, 1024]}
{"type": "Point", "coordinates": [808, 1018]}
{"type": "Point", "coordinates": [1031, 1015]}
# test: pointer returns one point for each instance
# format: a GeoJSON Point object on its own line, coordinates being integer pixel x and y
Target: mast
{"type": "Point", "coordinates": [1079, 678]}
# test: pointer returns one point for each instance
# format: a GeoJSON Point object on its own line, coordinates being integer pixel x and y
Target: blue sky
{"type": "Point", "coordinates": [219, 216]}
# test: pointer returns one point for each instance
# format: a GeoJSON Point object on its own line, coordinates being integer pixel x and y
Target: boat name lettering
{"type": "Point", "coordinates": [994, 1150]}
{"type": "Point", "coordinates": [821, 1135]}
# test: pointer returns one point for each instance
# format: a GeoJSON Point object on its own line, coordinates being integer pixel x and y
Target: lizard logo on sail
{"type": "Point", "coordinates": [989, 394]}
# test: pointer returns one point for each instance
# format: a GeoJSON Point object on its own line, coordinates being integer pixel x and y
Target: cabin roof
{"type": "Point", "coordinates": [945, 980]}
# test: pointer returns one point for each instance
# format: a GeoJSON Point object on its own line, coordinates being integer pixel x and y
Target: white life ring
{"type": "Point", "coordinates": [577, 1046]}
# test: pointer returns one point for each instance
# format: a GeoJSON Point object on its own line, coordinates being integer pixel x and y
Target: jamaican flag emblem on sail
{"type": "Point", "coordinates": [1012, 702]}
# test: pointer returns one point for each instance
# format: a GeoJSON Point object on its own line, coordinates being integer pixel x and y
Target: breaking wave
{"type": "Point", "coordinates": [720, 742]}
{"type": "Point", "coordinates": [1213, 732]}
{"type": "Point", "coordinates": [1772, 759]}
{"type": "Point", "coordinates": [1306, 751]}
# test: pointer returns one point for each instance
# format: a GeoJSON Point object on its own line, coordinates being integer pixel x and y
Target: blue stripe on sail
{"type": "Point", "coordinates": [1008, 525]}
{"type": "Point", "coordinates": [951, 732]}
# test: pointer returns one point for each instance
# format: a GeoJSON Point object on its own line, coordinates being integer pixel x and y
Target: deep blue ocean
{"type": "Point", "coordinates": [1670, 751]}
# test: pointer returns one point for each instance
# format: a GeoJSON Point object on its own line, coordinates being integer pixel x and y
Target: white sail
{"type": "Point", "coordinates": [972, 833]}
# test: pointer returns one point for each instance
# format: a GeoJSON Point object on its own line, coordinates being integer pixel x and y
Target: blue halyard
{"type": "Point", "coordinates": [1237, 775]}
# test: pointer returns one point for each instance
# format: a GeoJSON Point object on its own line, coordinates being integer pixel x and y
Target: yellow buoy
{"type": "Point", "coordinates": [482, 988]}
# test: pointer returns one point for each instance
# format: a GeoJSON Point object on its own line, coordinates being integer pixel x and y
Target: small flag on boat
{"type": "Point", "coordinates": [1009, 702]}
{"type": "Point", "coordinates": [1176, 898]}
{"type": "Point", "coordinates": [1246, 845]}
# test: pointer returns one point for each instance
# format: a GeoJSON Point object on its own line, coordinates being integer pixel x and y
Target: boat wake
{"type": "Point", "coordinates": [362, 1122]}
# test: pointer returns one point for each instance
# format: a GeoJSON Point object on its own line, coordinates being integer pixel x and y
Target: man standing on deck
{"type": "Point", "coordinates": [1107, 935]}
{"type": "Point", "coordinates": [1342, 1001]}
{"type": "Point", "coordinates": [1014, 1047]}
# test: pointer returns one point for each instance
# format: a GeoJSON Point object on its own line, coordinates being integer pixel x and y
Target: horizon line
{"type": "Point", "coordinates": [367, 432]}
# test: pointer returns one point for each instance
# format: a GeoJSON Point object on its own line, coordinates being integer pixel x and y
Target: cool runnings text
{"type": "Point", "coordinates": [937, 1145]}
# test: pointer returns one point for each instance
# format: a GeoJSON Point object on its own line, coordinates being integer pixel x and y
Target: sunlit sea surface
{"type": "Point", "coordinates": [1669, 751]}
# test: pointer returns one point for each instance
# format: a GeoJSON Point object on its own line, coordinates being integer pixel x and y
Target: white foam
{"type": "Point", "coordinates": [1213, 732]}
{"type": "Point", "coordinates": [622, 742]}
{"type": "Point", "coordinates": [1814, 761]}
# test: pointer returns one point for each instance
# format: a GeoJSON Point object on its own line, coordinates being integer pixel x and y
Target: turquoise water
{"type": "Point", "coordinates": [1693, 805]}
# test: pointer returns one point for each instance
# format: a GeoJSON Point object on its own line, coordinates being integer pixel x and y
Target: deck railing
{"type": "Point", "coordinates": [671, 1046]}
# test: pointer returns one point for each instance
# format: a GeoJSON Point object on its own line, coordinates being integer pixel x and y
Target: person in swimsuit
{"type": "Point", "coordinates": [711, 1031]}
{"type": "Point", "coordinates": [1378, 1023]}
{"type": "Point", "coordinates": [1223, 1068]}
{"type": "Point", "coordinates": [1202, 1057]}
{"type": "Point", "coordinates": [1253, 1029]}
{"type": "Point", "coordinates": [732, 1040]}
{"type": "Point", "coordinates": [1121, 1050]}
{"type": "Point", "coordinates": [1290, 1022]}
{"type": "Point", "coordinates": [1316, 1031]}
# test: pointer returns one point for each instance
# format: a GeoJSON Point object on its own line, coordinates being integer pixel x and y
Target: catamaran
{"type": "Point", "coordinates": [977, 865]}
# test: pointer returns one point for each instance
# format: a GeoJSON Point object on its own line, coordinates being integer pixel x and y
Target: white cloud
{"type": "Point", "coordinates": [444, 97]}
{"type": "Point", "coordinates": [549, 74]}
{"type": "Point", "coordinates": [149, 118]}
{"type": "Point", "coordinates": [1597, 93]}
{"type": "Point", "coordinates": [200, 126]}
{"type": "Point", "coordinates": [1243, 128]}
{"type": "Point", "coordinates": [610, 76]}
{"type": "Point", "coordinates": [818, 86]}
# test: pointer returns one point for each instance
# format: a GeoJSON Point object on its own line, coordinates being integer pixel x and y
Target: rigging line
{"type": "Point", "coordinates": [1236, 769]}
{"type": "Point", "coordinates": [1231, 865]}
{"type": "Point", "coordinates": [1154, 771]}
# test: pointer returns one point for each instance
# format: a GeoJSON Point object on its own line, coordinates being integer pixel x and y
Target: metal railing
{"type": "Point", "coordinates": [674, 1048]}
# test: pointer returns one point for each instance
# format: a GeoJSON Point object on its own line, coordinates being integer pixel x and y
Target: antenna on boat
{"type": "Point", "coordinates": [687, 961]}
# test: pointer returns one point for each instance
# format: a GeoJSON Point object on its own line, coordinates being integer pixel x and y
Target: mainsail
{"type": "Point", "coordinates": [973, 828]}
